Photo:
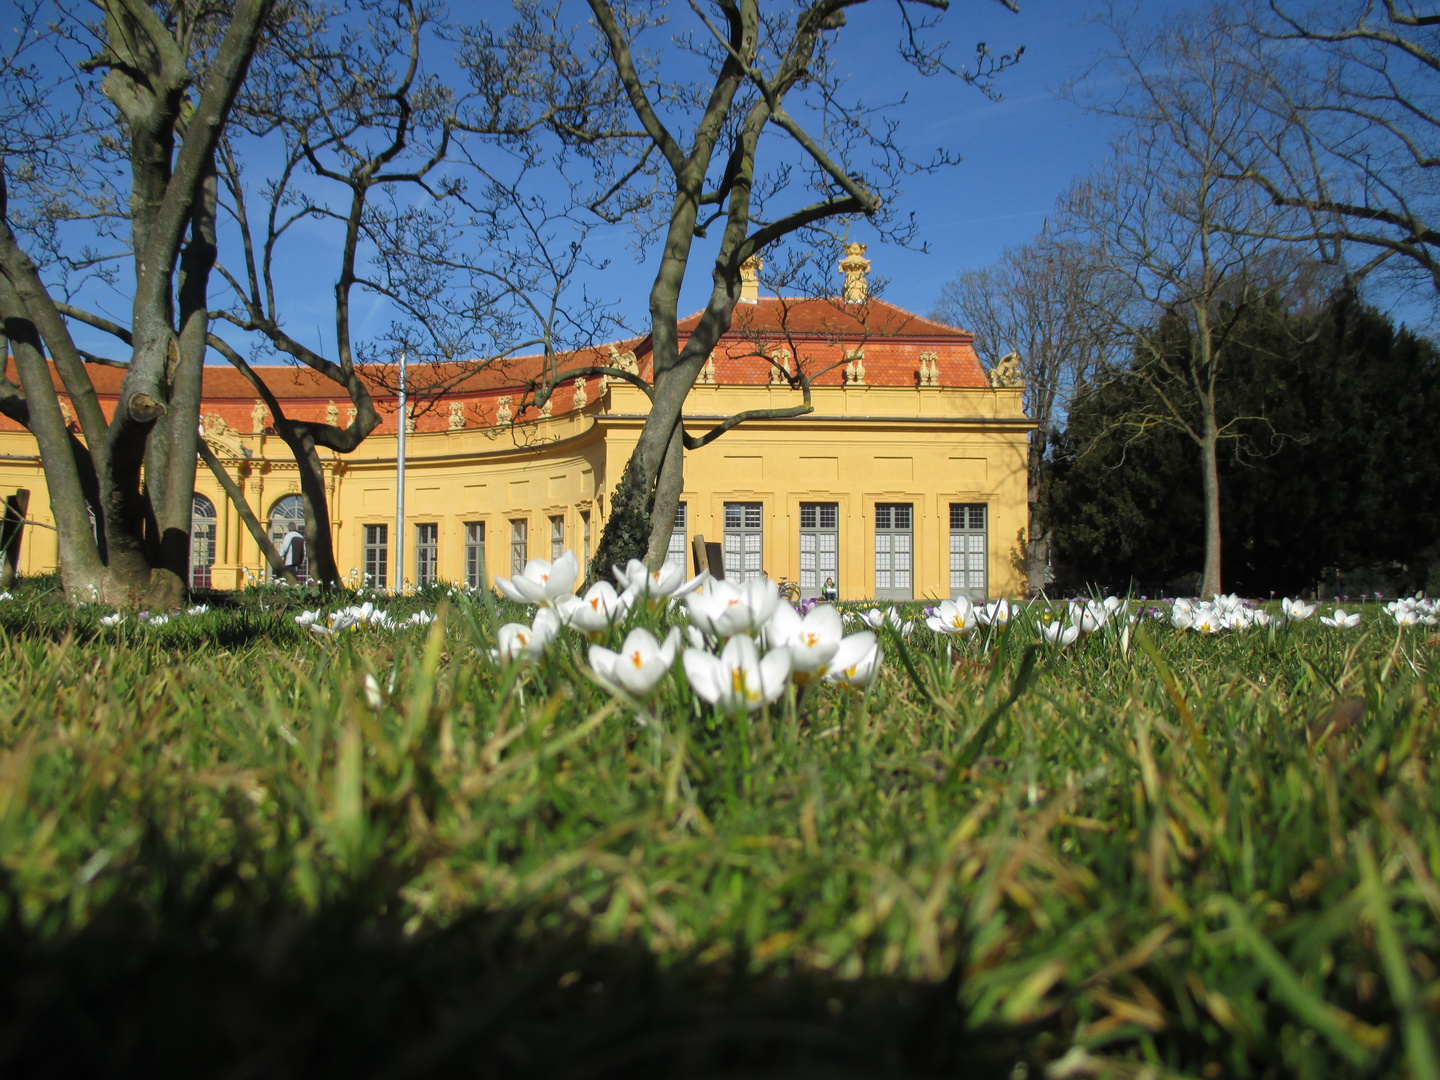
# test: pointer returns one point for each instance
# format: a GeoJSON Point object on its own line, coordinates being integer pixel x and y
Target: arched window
{"type": "Point", "coordinates": [289, 513]}
{"type": "Point", "coordinates": [202, 541]}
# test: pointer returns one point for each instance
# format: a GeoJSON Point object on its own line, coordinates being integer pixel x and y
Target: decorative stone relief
{"type": "Point", "coordinates": [1006, 374]}
{"type": "Point", "coordinates": [350, 416]}
{"type": "Point", "coordinates": [855, 369]}
{"type": "Point", "coordinates": [67, 415]}
{"type": "Point", "coordinates": [504, 415]}
{"type": "Point", "coordinates": [581, 398]}
{"type": "Point", "coordinates": [409, 419]}
{"type": "Point", "coordinates": [624, 361]}
{"type": "Point", "coordinates": [332, 414]}
{"type": "Point", "coordinates": [603, 386]}
{"type": "Point", "coordinates": [221, 437]}
{"type": "Point", "coordinates": [548, 406]}
{"type": "Point", "coordinates": [929, 373]}
{"type": "Point", "coordinates": [707, 373]}
{"type": "Point", "coordinates": [457, 416]}
{"type": "Point", "coordinates": [257, 417]}
{"type": "Point", "coordinates": [779, 367]}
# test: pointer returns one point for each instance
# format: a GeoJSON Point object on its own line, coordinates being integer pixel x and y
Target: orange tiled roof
{"type": "Point", "coordinates": [822, 332]}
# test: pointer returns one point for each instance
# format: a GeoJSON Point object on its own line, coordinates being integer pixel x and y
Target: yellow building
{"type": "Point", "coordinates": [907, 480]}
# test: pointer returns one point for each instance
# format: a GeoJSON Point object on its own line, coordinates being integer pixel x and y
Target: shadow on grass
{"type": "Point", "coordinates": [201, 990]}
{"type": "Point", "coordinates": [327, 997]}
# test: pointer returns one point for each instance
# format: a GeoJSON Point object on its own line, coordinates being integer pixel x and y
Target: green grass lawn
{"type": "Point", "coordinates": [1152, 854]}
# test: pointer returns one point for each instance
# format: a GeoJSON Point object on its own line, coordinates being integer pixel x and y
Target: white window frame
{"type": "Point", "coordinates": [819, 547]}
{"type": "Point", "coordinates": [519, 545]}
{"type": "Point", "coordinates": [894, 565]}
{"type": "Point", "coordinates": [969, 551]}
{"type": "Point", "coordinates": [203, 533]}
{"type": "Point", "coordinates": [475, 554]}
{"type": "Point", "coordinates": [744, 541]}
{"type": "Point", "coordinates": [376, 552]}
{"type": "Point", "coordinates": [557, 536]}
{"type": "Point", "coordinates": [427, 553]}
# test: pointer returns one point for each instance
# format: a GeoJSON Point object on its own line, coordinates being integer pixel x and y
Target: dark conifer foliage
{"type": "Point", "coordinates": [1331, 473]}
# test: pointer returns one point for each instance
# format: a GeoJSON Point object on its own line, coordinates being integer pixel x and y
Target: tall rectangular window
{"type": "Point", "coordinates": [819, 549]}
{"type": "Point", "coordinates": [585, 536]}
{"type": "Point", "coordinates": [967, 550]}
{"type": "Point", "coordinates": [475, 554]}
{"type": "Point", "coordinates": [743, 548]}
{"type": "Point", "coordinates": [675, 553]}
{"type": "Point", "coordinates": [519, 545]}
{"type": "Point", "coordinates": [377, 555]}
{"type": "Point", "coordinates": [893, 551]}
{"type": "Point", "coordinates": [427, 549]}
{"type": "Point", "coordinates": [557, 536]}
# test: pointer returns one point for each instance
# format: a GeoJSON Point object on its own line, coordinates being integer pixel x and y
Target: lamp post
{"type": "Point", "coordinates": [400, 482]}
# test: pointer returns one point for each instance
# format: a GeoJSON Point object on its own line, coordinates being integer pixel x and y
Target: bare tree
{"type": "Point", "coordinates": [415, 184]}
{"type": "Point", "coordinates": [705, 92]}
{"type": "Point", "coordinates": [170, 80]}
{"type": "Point", "coordinates": [1041, 301]}
{"type": "Point", "coordinates": [1347, 131]}
{"type": "Point", "coordinates": [1188, 245]}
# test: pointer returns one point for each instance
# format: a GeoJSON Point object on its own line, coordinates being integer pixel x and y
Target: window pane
{"type": "Point", "coordinates": [680, 516]}
{"type": "Point", "coordinates": [808, 516]}
{"type": "Point", "coordinates": [752, 515]}
{"type": "Point", "coordinates": [519, 545]}
{"type": "Point", "coordinates": [977, 516]}
{"type": "Point", "coordinates": [902, 516]}
{"type": "Point", "coordinates": [882, 516]}
{"type": "Point", "coordinates": [734, 515]}
{"type": "Point", "coordinates": [474, 553]}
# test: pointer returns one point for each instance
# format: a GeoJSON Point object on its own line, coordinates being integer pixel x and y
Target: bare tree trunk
{"type": "Point", "coordinates": [668, 486]}
{"type": "Point", "coordinates": [318, 541]}
{"type": "Point", "coordinates": [1210, 472]}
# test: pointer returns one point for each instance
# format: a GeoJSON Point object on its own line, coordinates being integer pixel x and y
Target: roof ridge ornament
{"type": "Point", "coordinates": [855, 266]}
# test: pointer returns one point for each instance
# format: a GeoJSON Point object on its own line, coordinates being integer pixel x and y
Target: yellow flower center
{"type": "Point", "coordinates": [636, 659]}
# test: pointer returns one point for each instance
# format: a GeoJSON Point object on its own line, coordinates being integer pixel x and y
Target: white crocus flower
{"type": "Point", "coordinates": [636, 670]}
{"type": "Point", "coordinates": [857, 661]}
{"type": "Point", "coordinates": [953, 617]}
{"type": "Point", "coordinates": [516, 641]}
{"type": "Point", "coordinates": [373, 695]}
{"type": "Point", "coordinates": [542, 582]}
{"type": "Point", "coordinates": [307, 618]}
{"type": "Point", "coordinates": [1342, 620]}
{"type": "Point", "coordinates": [657, 586]}
{"type": "Point", "coordinates": [1059, 634]}
{"type": "Point", "coordinates": [594, 613]}
{"type": "Point", "coordinates": [198, 609]}
{"type": "Point", "coordinates": [1206, 620]}
{"type": "Point", "coordinates": [1112, 604]}
{"type": "Point", "coordinates": [722, 609]}
{"type": "Point", "coordinates": [810, 639]}
{"type": "Point", "coordinates": [112, 620]}
{"type": "Point", "coordinates": [1089, 617]}
{"type": "Point", "coordinates": [1406, 617]}
{"type": "Point", "coordinates": [739, 677]}
{"type": "Point", "coordinates": [878, 620]}
{"type": "Point", "coordinates": [1296, 610]}
{"type": "Point", "coordinates": [996, 613]}
{"type": "Point", "coordinates": [1261, 618]}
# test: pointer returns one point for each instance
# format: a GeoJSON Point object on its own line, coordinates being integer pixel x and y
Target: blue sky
{"type": "Point", "coordinates": [1019, 154]}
